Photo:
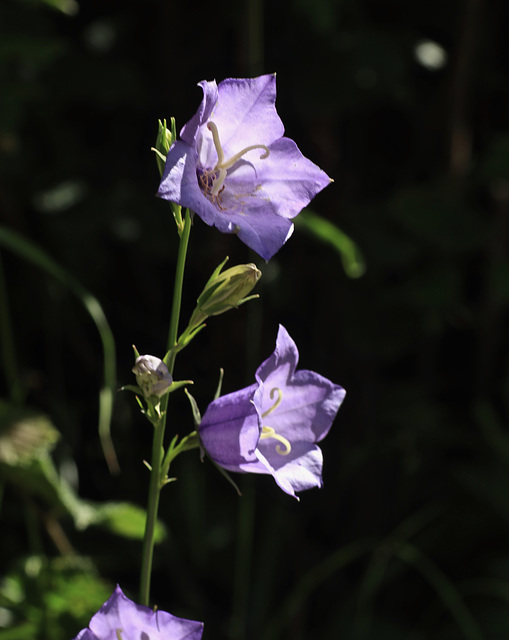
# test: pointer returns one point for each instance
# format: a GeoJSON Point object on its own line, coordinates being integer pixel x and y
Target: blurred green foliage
{"type": "Point", "coordinates": [409, 536]}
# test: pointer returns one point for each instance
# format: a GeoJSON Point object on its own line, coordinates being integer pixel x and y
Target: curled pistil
{"type": "Point", "coordinates": [269, 432]}
{"type": "Point", "coordinates": [273, 392]}
{"type": "Point", "coordinates": [222, 165]}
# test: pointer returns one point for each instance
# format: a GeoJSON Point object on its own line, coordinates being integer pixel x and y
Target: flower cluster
{"type": "Point", "coordinates": [121, 619]}
{"type": "Point", "coordinates": [273, 426]}
{"type": "Point", "coordinates": [234, 168]}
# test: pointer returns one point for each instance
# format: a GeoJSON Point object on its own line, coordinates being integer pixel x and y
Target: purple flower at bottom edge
{"type": "Point", "coordinates": [121, 619]}
{"type": "Point", "coordinates": [273, 426]}
{"type": "Point", "coordinates": [236, 171]}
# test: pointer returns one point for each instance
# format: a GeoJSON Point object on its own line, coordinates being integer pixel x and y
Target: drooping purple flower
{"type": "Point", "coordinates": [234, 168]}
{"type": "Point", "coordinates": [273, 425]}
{"type": "Point", "coordinates": [121, 619]}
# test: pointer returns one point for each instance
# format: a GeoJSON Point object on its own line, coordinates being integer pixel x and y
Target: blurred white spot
{"type": "Point", "coordinates": [430, 54]}
{"type": "Point", "coordinates": [100, 36]}
{"type": "Point", "coordinates": [127, 229]}
{"type": "Point", "coordinates": [60, 198]}
{"type": "Point", "coordinates": [6, 617]}
{"type": "Point", "coordinates": [69, 7]}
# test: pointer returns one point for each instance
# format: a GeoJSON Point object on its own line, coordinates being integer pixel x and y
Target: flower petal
{"type": "Point", "coordinates": [300, 470]}
{"type": "Point", "coordinates": [230, 429]}
{"type": "Point", "coordinates": [120, 613]}
{"type": "Point", "coordinates": [180, 183]}
{"type": "Point", "coordinates": [308, 407]}
{"type": "Point", "coordinates": [284, 360]}
{"type": "Point", "coordinates": [288, 179]}
{"type": "Point", "coordinates": [189, 131]}
{"type": "Point", "coordinates": [309, 402]}
{"type": "Point", "coordinates": [246, 114]}
{"type": "Point", "coordinates": [259, 228]}
{"type": "Point", "coordinates": [254, 220]}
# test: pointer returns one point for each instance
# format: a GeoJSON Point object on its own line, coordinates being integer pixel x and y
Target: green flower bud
{"type": "Point", "coordinates": [224, 291]}
{"type": "Point", "coordinates": [152, 376]}
{"type": "Point", "coordinates": [165, 138]}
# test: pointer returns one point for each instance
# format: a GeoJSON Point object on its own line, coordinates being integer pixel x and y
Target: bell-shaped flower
{"type": "Point", "coordinates": [234, 168]}
{"type": "Point", "coordinates": [121, 619]}
{"type": "Point", "coordinates": [273, 426]}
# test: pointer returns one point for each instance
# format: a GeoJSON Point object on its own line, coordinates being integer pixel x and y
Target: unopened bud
{"type": "Point", "coordinates": [165, 138]}
{"type": "Point", "coordinates": [224, 291]}
{"type": "Point", "coordinates": [152, 376]}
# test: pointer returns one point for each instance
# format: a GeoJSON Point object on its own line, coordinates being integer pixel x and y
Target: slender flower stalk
{"type": "Point", "coordinates": [157, 478]}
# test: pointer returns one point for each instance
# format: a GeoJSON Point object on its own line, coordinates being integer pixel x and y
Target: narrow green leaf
{"type": "Point", "coordinates": [35, 255]}
{"type": "Point", "coordinates": [351, 256]}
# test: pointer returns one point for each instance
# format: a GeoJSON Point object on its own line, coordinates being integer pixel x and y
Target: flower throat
{"type": "Point", "coordinates": [269, 432]}
{"type": "Point", "coordinates": [212, 181]}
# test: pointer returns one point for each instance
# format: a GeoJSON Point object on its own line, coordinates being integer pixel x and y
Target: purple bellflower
{"type": "Point", "coordinates": [273, 426]}
{"type": "Point", "coordinates": [234, 169]}
{"type": "Point", "coordinates": [121, 619]}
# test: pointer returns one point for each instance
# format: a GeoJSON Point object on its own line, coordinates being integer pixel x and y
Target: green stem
{"type": "Point", "coordinates": [156, 475]}
{"type": "Point", "coordinates": [153, 505]}
{"type": "Point", "coordinates": [177, 291]}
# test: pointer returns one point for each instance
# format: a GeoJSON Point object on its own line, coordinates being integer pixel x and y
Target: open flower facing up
{"type": "Point", "coordinates": [121, 619]}
{"type": "Point", "coordinates": [234, 168]}
{"type": "Point", "coordinates": [273, 426]}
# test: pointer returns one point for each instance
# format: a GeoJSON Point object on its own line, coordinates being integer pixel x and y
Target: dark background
{"type": "Point", "coordinates": [408, 539]}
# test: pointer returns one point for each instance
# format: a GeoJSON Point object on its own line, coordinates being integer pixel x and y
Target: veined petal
{"type": "Point", "coordinates": [288, 179]}
{"type": "Point", "coordinates": [210, 94]}
{"type": "Point", "coordinates": [246, 114]}
{"type": "Point", "coordinates": [230, 429]}
{"type": "Point", "coordinates": [309, 404]}
{"type": "Point", "coordinates": [285, 358]}
{"type": "Point", "coordinates": [260, 229]}
{"type": "Point", "coordinates": [253, 219]}
{"type": "Point", "coordinates": [119, 613]}
{"type": "Point", "coordinates": [300, 470]}
{"type": "Point", "coordinates": [303, 472]}
{"type": "Point", "coordinates": [179, 183]}
{"type": "Point", "coordinates": [320, 400]}
{"type": "Point", "coordinates": [236, 171]}
{"type": "Point", "coordinates": [294, 411]}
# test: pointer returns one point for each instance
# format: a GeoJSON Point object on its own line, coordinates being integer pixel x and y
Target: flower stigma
{"type": "Point", "coordinates": [276, 404]}
{"type": "Point", "coordinates": [269, 432]}
{"type": "Point", "coordinates": [212, 182]}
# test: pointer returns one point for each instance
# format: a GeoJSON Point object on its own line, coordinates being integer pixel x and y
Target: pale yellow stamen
{"type": "Point", "coordinates": [119, 636]}
{"type": "Point", "coordinates": [276, 404]}
{"type": "Point", "coordinates": [222, 165]}
{"type": "Point", "coordinates": [269, 432]}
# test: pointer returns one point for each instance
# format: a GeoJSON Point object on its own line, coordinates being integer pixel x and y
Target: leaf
{"type": "Point", "coordinates": [50, 598]}
{"type": "Point", "coordinates": [194, 409]}
{"type": "Point", "coordinates": [34, 254]}
{"type": "Point", "coordinates": [26, 440]}
{"type": "Point", "coordinates": [351, 257]}
{"type": "Point", "coordinates": [127, 520]}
